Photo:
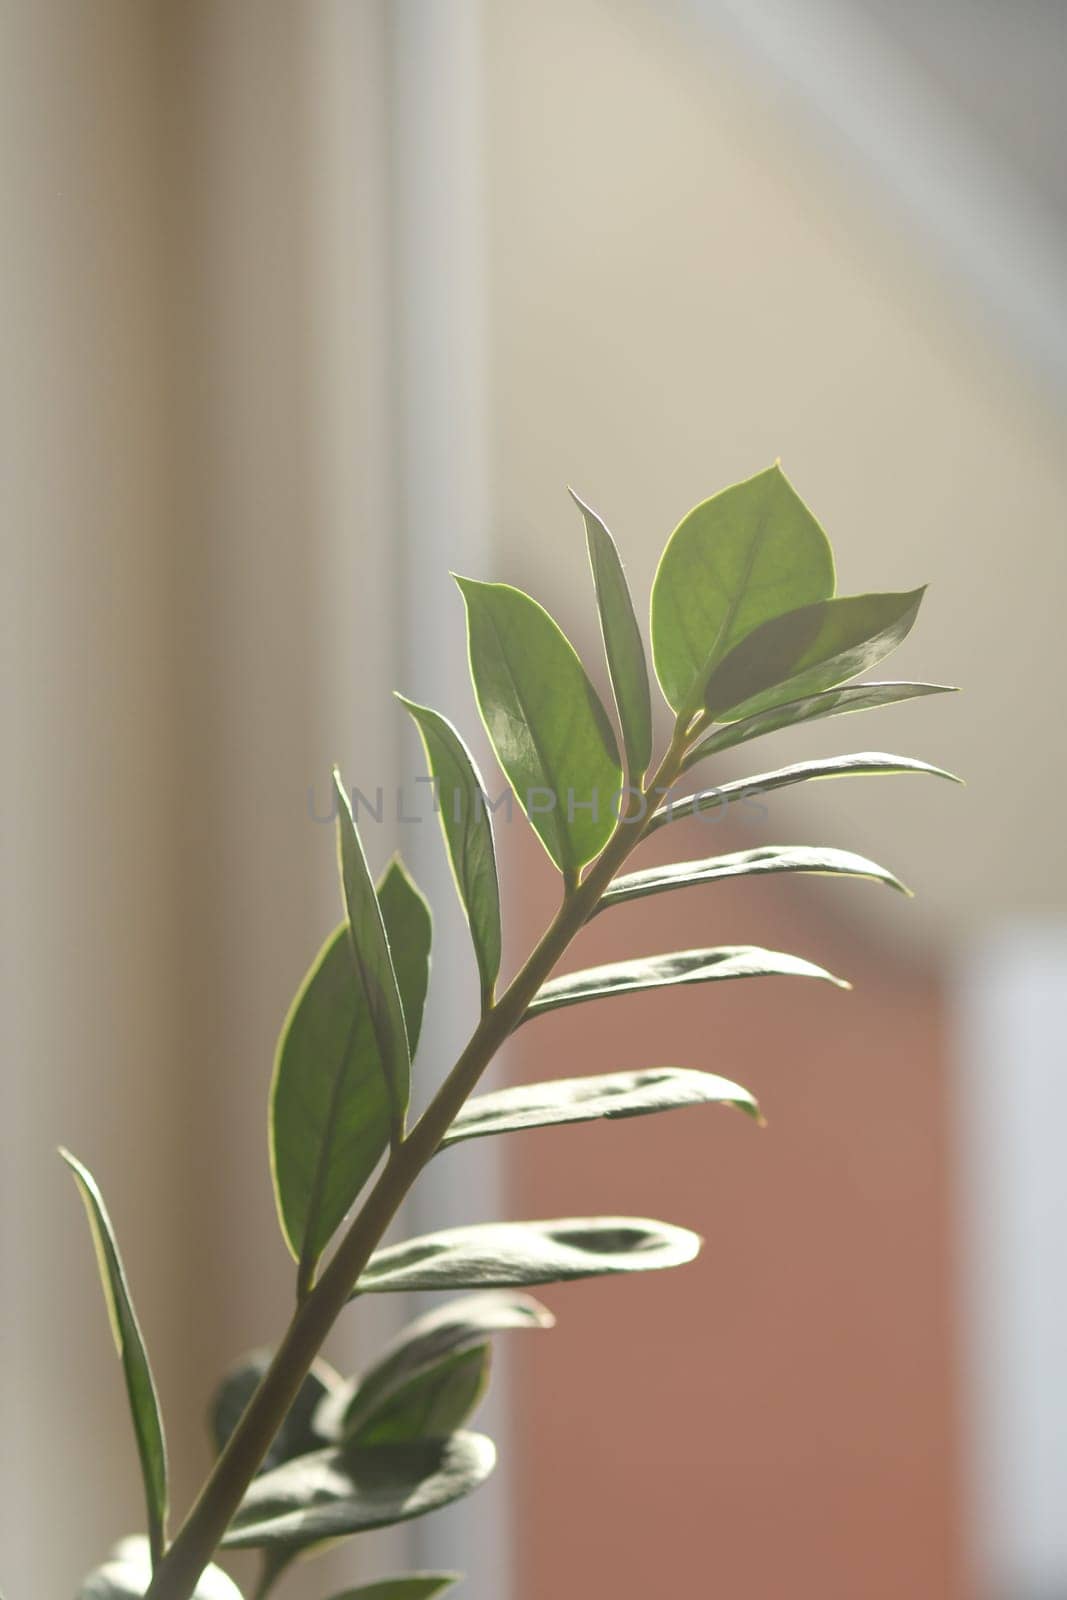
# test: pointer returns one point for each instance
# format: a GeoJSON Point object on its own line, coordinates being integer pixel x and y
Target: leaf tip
{"type": "Point", "coordinates": [541, 1315]}
{"type": "Point", "coordinates": [777, 470]}
{"type": "Point", "coordinates": [749, 1108]}
{"type": "Point", "coordinates": [583, 506]}
{"type": "Point", "coordinates": [415, 710]}
{"type": "Point", "coordinates": [77, 1167]}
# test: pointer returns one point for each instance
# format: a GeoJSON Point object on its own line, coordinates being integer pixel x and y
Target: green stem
{"type": "Point", "coordinates": [176, 1576]}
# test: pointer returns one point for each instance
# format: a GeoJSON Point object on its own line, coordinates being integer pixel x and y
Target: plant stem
{"type": "Point", "coordinates": [176, 1576]}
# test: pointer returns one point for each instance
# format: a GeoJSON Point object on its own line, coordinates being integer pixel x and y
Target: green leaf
{"type": "Point", "coordinates": [297, 1434]}
{"type": "Point", "coordinates": [865, 764]}
{"type": "Point", "coordinates": [329, 1107]}
{"type": "Point", "coordinates": [330, 1111]}
{"type": "Point", "coordinates": [458, 1325]}
{"type": "Point", "coordinates": [609, 1095]}
{"type": "Point", "coordinates": [507, 1255]}
{"type": "Point", "coordinates": [468, 835]}
{"type": "Point", "coordinates": [807, 650]}
{"type": "Point", "coordinates": [140, 1387]}
{"type": "Point", "coordinates": [374, 965]}
{"type": "Point", "coordinates": [745, 864]}
{"type": "Point", "coordinates": [830, 703]}
{"type": "Point", "coordinates": [745, 555]}
{"type": "Point", "coordinates": [550, 732]}
{"type": "Point", "coordinates": [354, 1488]}
{"type": "Point", "coordinates": [128, 1572]}
{"type": "Point", "coordinates": [409, 931]}
{"type": "Point", "coordinates": [416, 1586]}
{"type": "Point", "coordinates": [622, 643]}
{"type": "Point", "coordinates": [667, 971]}
{"type": "Point", "coordinates": [431, 1405]}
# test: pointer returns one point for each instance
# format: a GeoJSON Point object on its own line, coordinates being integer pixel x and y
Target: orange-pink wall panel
{"type": "Point", "coordinates": [776, 1419]}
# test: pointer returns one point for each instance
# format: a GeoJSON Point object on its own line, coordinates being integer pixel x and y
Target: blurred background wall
{"type": "Point", "coordinates": [302, 306]}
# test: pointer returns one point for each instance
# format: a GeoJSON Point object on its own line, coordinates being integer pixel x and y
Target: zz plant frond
{"type": "Point", "coordinates": [748, 636]}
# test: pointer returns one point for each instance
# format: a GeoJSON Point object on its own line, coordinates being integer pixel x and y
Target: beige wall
{"type": "Point", "coordinates": [688, 283]}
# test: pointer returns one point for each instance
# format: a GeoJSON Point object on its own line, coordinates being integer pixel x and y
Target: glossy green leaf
{"type": "Point", "coordinates": [668, 971]}
{"type": "Point", "coordinates": [329, 1108]}
{"type": "Point", "coordinates": [140, 1387]}
{"type": "Point", "coordinates": [769, 858]}
{"type": "Point", "coordinates": [504, 1255]}
{"type": "Point", "coordinates": [432, 1405]}
{"type": "Point", "coordinates": [128, 1572]}
{"type": "Point", "coordinates": [811, 708]}
{"type": "Point", "coordinates": [550, 732]}
{"type": "Point", "coordinates": [330, 1112]}
{"type": "Point", "coordinates": [622, 643]}
{"type": "Point", "coordinates": [745, 555]}
{"type": "Point", "coordinates": [416, 1586]}
{"type": "Point", "coordinates": [468, 835]}
{"type": "Point", "coordinates": [807, 650]}
{"type": "Point", "coordinates": [297, 1434]}
{"type": "Point", "coordinates": [374, 966]}
{"type": "Point", "coordinates": [354, 1488]}
{"type": "Point", "coordinates": [458, 1325]}
{"type": "Point", "coordinates": [609, 1095]}
{"type": "Point", "coordinates": [864, 764]}
{"type": "Point", "coordinates": [409, 930]}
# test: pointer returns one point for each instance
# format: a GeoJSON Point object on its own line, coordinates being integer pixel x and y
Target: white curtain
{"type": "Point", "coordinates": [207, 599]}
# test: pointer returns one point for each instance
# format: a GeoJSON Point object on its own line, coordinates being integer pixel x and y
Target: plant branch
{"type": "Point", "coordinates": [176, 1576]}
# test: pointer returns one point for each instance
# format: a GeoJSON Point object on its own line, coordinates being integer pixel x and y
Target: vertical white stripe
{"type": "Point", "coordinates": [439, 322]}
{"type": "Point", "coordinates": [360, 620]}
{"type": "Point", "coordinates": [1011, 1093]}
